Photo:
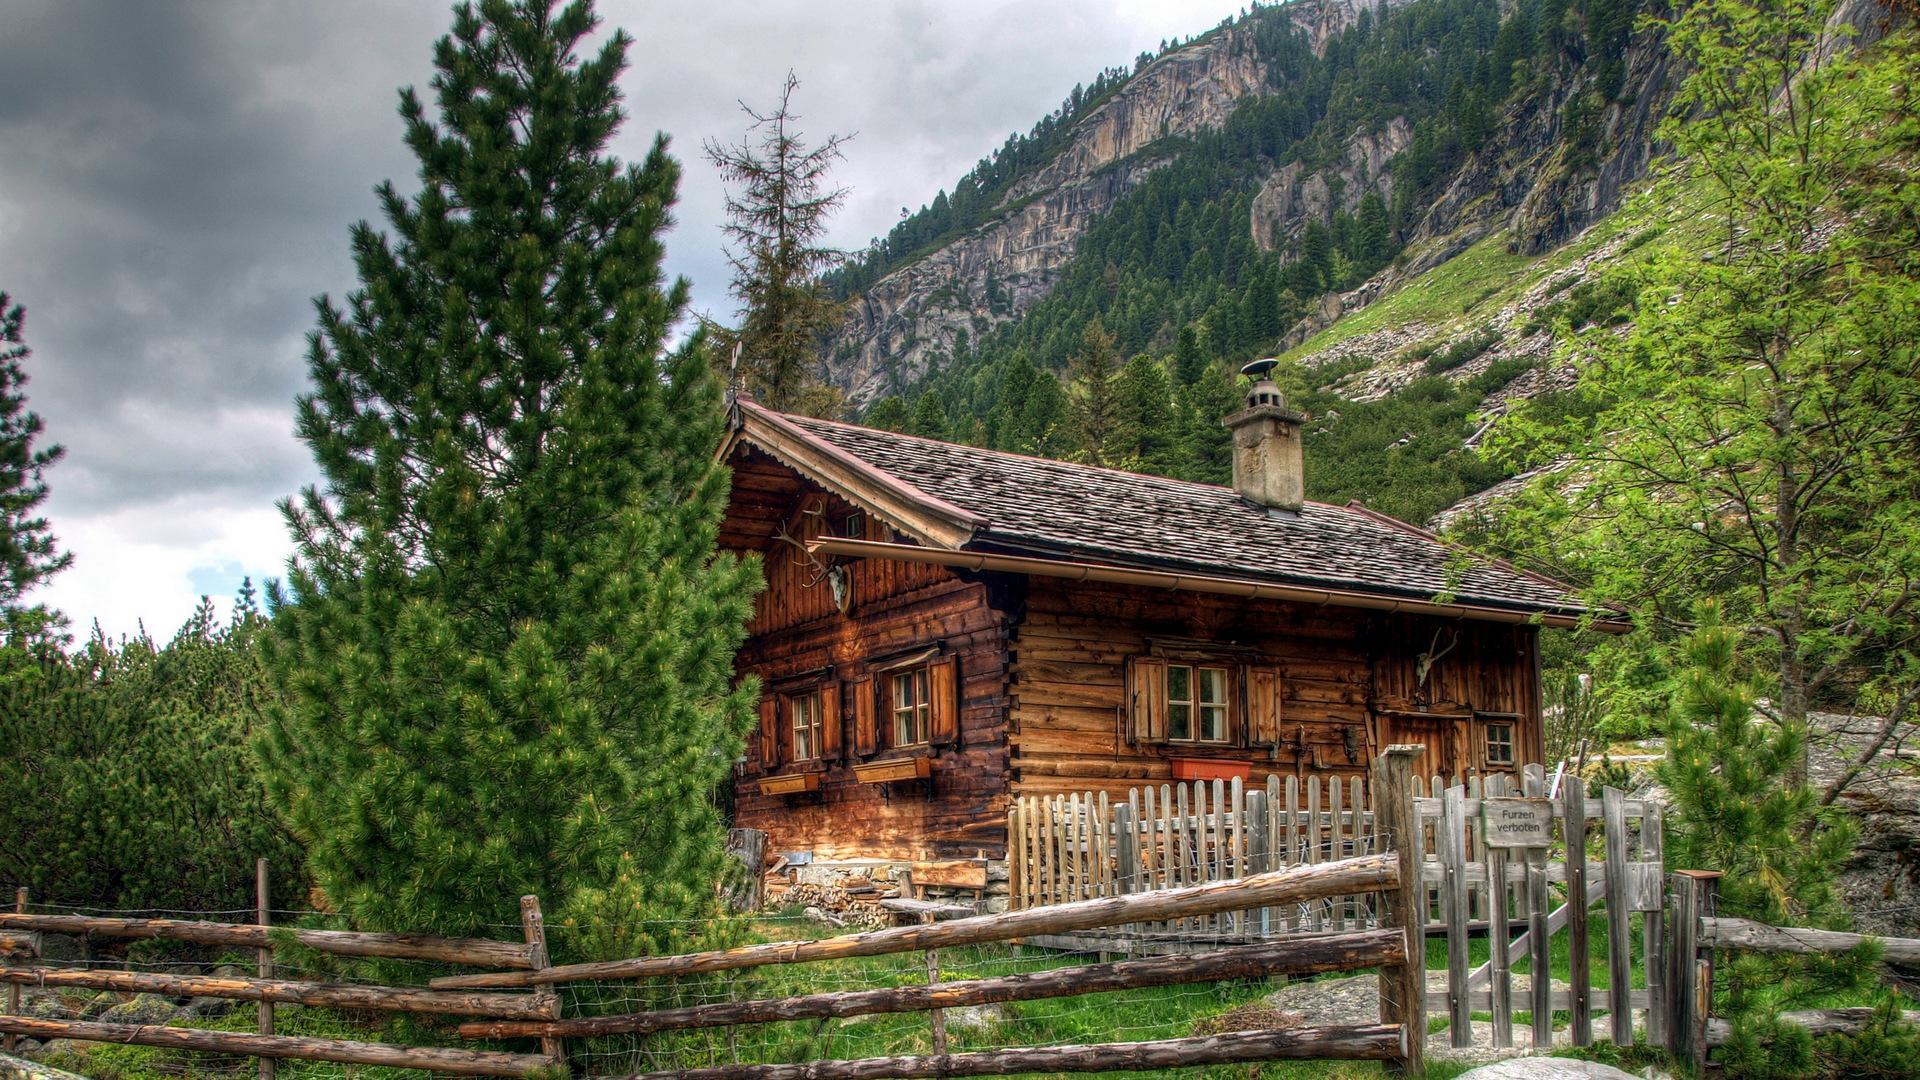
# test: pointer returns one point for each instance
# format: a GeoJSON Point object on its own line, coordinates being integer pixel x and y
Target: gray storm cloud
{"type": "Point", "coordinates": [176, 183]}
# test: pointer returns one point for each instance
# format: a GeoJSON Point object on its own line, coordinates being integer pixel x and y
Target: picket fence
{"type": "Point", "coordinates": [1071, 847]}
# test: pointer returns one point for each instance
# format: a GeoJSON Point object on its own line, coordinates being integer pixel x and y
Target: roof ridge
{"type": "Point", "coordinates": [1044, 460]}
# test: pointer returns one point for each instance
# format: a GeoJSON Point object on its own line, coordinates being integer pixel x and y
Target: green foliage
{"type": "Point", "coordinates": [28, 555]}
{"type": "Point", "coordinates": [506, 653]}
{"type": "Point", "coordinates": [135, 783]}
{"type": "Point", "coordinates": [1461, 352]}
{"type": "Point", "coordinates": [1750, 438]}
{"type": "Point", "coordinates": [1729, 773]}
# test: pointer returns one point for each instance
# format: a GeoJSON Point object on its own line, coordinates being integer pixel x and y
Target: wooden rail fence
{"type": "Point", "coordinates": [19, 931]}
{"type": "Point", "coordinates": [1382, 877]}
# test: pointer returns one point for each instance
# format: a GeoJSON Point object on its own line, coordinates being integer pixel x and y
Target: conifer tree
{"type": "Point", "coordinates": [1090, 407]}
{"type": "Point", "coordinates": [777, 215]}
{"type": "Point", "coordinates": [1737, 808]}
{"type": "Point", "coordinates": [1142, 435]}
{"type": "Point", "coordinates": [28, 554]}
{"type": "Point", "coordinates": [887, 414]}
{"type": "Point", "coordinates": [507, 649]}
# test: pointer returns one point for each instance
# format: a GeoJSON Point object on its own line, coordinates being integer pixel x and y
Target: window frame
{"type": "Point", "coordinates": [1195, 704]}
{"type": "Point", "coordinates": [814, 729]}
{"type": "Point", "coordinates": [919, 677]}
{"type": "Point", "coordinates": [1511, 742]}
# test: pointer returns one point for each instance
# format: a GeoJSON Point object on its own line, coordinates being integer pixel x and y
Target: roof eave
{"type": "Point", "coordinates": [1220, 585]}
{"type": "Point", "coordinates": [932, 521]}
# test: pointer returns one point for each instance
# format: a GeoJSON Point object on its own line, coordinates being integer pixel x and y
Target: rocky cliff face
{"type": "Point", "coordinates": [995, 273]}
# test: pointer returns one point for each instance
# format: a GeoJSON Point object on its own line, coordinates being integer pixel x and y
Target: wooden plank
{"type": "Point", "coordinates": [1752, 936]}
{"type": "Point", "coordinates": [262, 910]}
{"type": "Point", "coordinates": [1378, 1042]}
{"type": "Point", "coordinates": [1540, 973]}
{"type": "Point", "coordinates": [475, 952]}
{"type": "Point", "coordinates": [1847, 1021]}
{"type": "Point", "coordinates": [1016, 877]}
{"type": "Point", "coordinates": [1102, 844]}
{"type": "Point", "coordinates": [917, 908]}
{"type": "Point", "coordinates": [11, 947]}
{"type": "Point", "coordinates": [1619, 916]}
{"type": "Point", "coordinates": [1653, 921]}
{"type": "Point", "coordinates": [1315, 916]}
{"type": "Point", "coordinates": [1579, 945]}
{"type": "Point", "coordinates": [1294, 884]}
{"type": "Point", "coordinates": [411, 999]}
{"type": "Point", "coordinates": [1259, 855]}
{"type": "Point", "coordinates": [1499, 934]}
{"type": "Point", "coordinates": [1335, 839]}
{"type": "Point", "coordinates": [1482, 1000]}
{"type": "Point", "coordinates": [1288, 956]}
{"type": "Point", "coordinates": [433, 1058]}
{"type": "Point", "coordinates": [1223, 922]}
{"type": "Point", "coordinates": [1403, 987]}
{"type": "Point", "coordinates": [533, 928]}
{"type": "Point", "coordinates": [1454, 906]}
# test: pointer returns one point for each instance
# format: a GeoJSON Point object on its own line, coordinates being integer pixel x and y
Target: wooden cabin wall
{"type": "Point", "coordinates": [896, 607]}
{"type": "Point", "coordinates": [1347, 677]}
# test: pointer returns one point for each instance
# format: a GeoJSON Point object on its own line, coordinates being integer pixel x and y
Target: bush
{"type": "Point", "coordinates": [138, 787]}
{"type": "Point", "coordinates": [1461, 352]}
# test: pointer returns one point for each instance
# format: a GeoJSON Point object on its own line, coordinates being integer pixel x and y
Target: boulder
{"type": "Point", "coordinates": [210, 1007]}
{"type": "Point", "coordinates": [143, 1009]}
{"type": "Point", "coordinates": [975, 1017]}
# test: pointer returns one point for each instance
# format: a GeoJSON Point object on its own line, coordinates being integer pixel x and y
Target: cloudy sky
{"type": "Point", "coordinates": [177, 179]}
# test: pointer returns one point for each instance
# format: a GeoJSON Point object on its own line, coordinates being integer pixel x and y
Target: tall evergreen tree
{"type": "Point", "coordinates": [28, 553]}
{"type": "Point", "coordinates": [1090, 406]}
{"type": "Point", "coordinates": [1142, 417]}
{"type": "Point", "coordinates": [507, 651]}
{"type": "Point", "coordinates": [777, 214]}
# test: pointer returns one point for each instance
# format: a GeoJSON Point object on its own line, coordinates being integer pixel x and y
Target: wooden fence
{"type": "Point", "coordinates": [1070, 847]}
{"type": "Point", "coordinates": [19, 940]}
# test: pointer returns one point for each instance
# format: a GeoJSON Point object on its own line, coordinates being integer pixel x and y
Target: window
{"type": "Point", "coordinates": [1499, 745]}
{"type": "Point", "coordinates": [912, 707]}
{"type": "Point", "coordinates": [806, 716]}
{"type": "Point", "coordinates": [1196, 703]}
{"type": "Point", "coordinates": [854, 526]}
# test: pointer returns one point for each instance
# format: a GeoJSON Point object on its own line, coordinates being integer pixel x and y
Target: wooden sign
{"type": "Point", "coordinates": [1519, 823]}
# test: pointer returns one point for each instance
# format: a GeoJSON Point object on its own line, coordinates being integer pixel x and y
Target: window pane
{"type": "Point", "coordinates": [902, 691]}
{"type": "Point", "coordinates": [1179, 683]}
{"type": "Point", "coordinates": [1213, 722]}
{"type": "Point", "coordinates": [1213, 685]}
{"type": "Point", "coordinates": [1180, 721]}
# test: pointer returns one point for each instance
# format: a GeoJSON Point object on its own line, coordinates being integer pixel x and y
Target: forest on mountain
{"type": "Point", "coordinates": [1173, 275]}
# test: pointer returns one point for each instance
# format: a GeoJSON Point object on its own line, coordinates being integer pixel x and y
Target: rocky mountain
{"type": "Point", "coordinates": [1550, 158]}
{"type": "Point", "coordinates": [995, 272]}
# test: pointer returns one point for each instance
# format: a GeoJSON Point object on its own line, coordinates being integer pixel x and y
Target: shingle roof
{"type": "Point", "coordinates": [1040, 506]}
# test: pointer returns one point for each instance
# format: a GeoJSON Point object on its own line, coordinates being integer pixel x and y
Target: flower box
{"type": "Point", "coordinates": [790, 784]}
{"type": "Point", "coordinates": [1191, 768]}
{"type": "Point", "coordinates": [886, 772]}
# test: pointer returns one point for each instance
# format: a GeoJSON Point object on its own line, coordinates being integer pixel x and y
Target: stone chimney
{"type": "Point", "coordinates": [1268, 466]}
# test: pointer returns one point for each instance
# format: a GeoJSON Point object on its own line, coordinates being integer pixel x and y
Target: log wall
{"type": "Point", "coordinates": [1349, 685]}
{"type": "Point", "coordinates": [798, 633]}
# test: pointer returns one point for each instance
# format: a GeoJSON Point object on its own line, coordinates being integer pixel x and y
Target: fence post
{"type": "Point", "coordinates": [1690, 982]}
{"type": "Point", "coordinates": [263, 902]}
{"type": "Point", "coordinates": [937, 1017]}
{"type": "Point", "coordinates": [13, 989]}
{"type": "Point", "coordinates": [534, 926]}
{"type": "Point", "coordinates": [1403, 989]}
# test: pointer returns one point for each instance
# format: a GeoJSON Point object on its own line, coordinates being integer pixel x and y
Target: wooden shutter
{"type": "Point", "coordinates": [830, 742]}
{"type": "Point", "coordinates": [1146, 699]}
{"type": "Point", "coordinates": [866, 736]}
{"type": "Point", "coordinates": [770, 732]}
{"type": "Point", "coordinates": [943, 692]}
{"type": "Point", "coordinates": [1263, 705]}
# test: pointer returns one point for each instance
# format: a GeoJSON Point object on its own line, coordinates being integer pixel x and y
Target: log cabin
{"type": "Point", "coordinates": [946, 628]}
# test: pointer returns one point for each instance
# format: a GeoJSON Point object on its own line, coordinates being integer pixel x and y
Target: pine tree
{"type": "Point", "coordinates": [777, 214]}
{"type": "Point", "coordinates": [887, 414]}
{"type": "Point", "coordinates": [1205, 447]}
{"type": "Point", "coordinates": [928, 419]}
{"type": "Point", "coordinates": [1090, 375]}
{"type": "Point", "coordinates": [506, 654]}
{"type": "Point", "coordinates": [28, 553]}
{"type": "Point", "coordinates": [1730, 775]}
{"type": "Point", "coordinates": [1142, 416]}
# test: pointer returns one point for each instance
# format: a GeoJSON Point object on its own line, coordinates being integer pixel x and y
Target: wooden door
{"type": "Point", "coordinates": [1440, 734]}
